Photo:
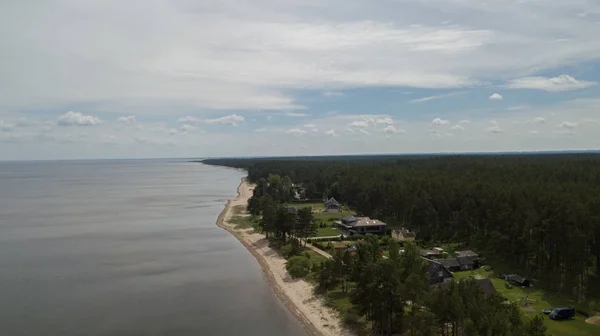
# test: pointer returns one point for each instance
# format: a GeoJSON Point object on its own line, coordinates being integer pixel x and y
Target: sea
{"type": "Point", "coordinates": [127, 247]}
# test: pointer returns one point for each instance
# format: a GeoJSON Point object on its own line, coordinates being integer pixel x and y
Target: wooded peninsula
{"type": "Point", "coordinates": [536, 215]}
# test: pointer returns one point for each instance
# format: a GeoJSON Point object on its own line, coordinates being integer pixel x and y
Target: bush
{"type": "Point", "coordinates": [298, 266]}
{"type": "Point", "coordinates": [292, 249]}
{"type": "Point", "coordinates": [351, 318]}
{"type": "Point", "coordinates": [307, 255]}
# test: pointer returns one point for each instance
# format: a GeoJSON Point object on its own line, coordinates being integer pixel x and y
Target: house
{"type": "Point", "coordinates": [517, 280]}
{"type": "Point", "coordinates": [331, 205]}
{"type": "Point", "coordinates": [485, 285]}
{"type": "Point", "coordinates": [438, 274]}
{"type": "Point", "coordinates": [430, 254]}
{"type": "Point", "coordinates": [468, 263]}
{"type": "Point", "coordinates": [451, 264]}
{"type": "Point", "coordinates": [467, 253]}
{"type": "Point", "coordinates": [404, 235]}
{"type": "Point", "coordinates": [361, 225]}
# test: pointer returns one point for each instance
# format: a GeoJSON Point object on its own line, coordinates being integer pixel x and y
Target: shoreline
{"type": "Point", "coordinates": [296, 295]}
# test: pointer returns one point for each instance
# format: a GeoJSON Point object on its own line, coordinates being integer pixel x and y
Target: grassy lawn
{"type": "Point", "coordinates": [242, 222]}
{"type": "Point", "coordinates": [542, 300]}
{"type": "Point", "coordinates": [315, 206]}
{"type": "Point", "coordinates": [326, 232]}
{"type": "Point", "coordinates": [315, 258]}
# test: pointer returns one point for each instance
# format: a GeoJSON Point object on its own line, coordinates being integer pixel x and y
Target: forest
{"type": "Point", "coordinates": [536, 213]}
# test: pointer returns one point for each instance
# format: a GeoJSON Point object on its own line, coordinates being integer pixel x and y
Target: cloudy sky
{"type": "Point", "coordinates": [183, 78]}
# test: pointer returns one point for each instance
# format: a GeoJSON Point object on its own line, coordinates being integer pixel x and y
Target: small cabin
{"type": "Point", "coordinates": [331, 205]}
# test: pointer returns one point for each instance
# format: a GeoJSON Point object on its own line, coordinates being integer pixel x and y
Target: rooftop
{"type": "Point", "coordinates": [366, 221]}
{"type": "Point", "coordinates": [466, 253]}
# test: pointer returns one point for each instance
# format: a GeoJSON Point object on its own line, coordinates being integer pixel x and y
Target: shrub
{"type": "Point", "coordinates": [298, 266]}
{"type": "Point", "coordinates": [307, 255]}
{"type": "Point", "coordinates": [351, 318]}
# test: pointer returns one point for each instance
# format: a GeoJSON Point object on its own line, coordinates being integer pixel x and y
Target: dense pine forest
{"type": "Point", "coordinates": [536, 213]}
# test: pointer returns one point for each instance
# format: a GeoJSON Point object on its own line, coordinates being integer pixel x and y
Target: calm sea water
{"type": "Point", "coordinates": [127, 248]}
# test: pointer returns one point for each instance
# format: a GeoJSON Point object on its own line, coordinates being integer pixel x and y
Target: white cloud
{"type": "Point", "coordinates": [457, 128]}
{"type": "Point", "coordinates": [364, 132]}
{"type": "Point", "coordinates": [331, 132]}
{"type": "Point", "coordinates": [439, 121]}
{"type": "Point", "coordinates": [295, 131]}
{"type": "Point", "coordinates": [333, 94]}
{"type": "Point", "coordinates": [77, 119]}
{"type": "Point", "coordinates": [359, 124]}
{"type": "Point", "coordinates": [568, 125]}
{"type": "Point", "coordinates": [555, 84]}
{"type": "Point", "coordinates": [186, 128]}
{"type": "Point", "coordinates": [390, 129]}
{"type": "Point", "coordinates": [189, 120]}
{"type": "Point", "coordinates": [464, 122]}
{"type": "Point", "coordinates": [293, 114]}
{"type": "Point", "coordinates": [231, 120]}
{"type": "Point", "coordinates": [129, 120]}
{"type": "Point", "coordinates": [495, 96]}
{"type": "Point", "coordinates": [429, 98]}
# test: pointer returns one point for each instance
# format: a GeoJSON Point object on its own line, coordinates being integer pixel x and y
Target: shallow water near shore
{"type": "Point", "coordinates": [127, 248]}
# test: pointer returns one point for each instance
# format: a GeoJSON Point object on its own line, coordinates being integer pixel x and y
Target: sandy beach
{"type": "Point", "coordinates": [297, 295]}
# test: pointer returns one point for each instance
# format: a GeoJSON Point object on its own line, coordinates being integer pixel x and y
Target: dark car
{"type": "Point", "coordinates": [565, 313]}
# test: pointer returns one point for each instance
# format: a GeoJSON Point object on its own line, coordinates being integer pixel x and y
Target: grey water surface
{"type": "Point", "coordinates": [127, 248]}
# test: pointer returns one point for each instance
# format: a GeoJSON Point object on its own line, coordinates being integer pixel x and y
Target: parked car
{"type": "Point", "coordinates": [546, 311]}
{"type": "Point", "coordinates": [564, 313]}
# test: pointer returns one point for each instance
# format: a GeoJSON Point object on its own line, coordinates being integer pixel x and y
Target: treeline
{"type": "Point", "coordinates": [539, 214]}
{"type": "Point", "coordinates": [391, 294]}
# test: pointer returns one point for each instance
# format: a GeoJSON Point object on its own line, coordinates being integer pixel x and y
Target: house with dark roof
{"type": "Point", "coordinates": [331, 205]}
{"type": "Point", "coordinates": [438, 274]}
{"type": "Point", "coordinates": [468, 263]}
{"type": "Point", "coordinates": [362, 225]}
{"type": "Point", "coordinates": [451, 264]}
{"type": "Point", "coordinates": [517, 280]}
{"type": "Point", "coordinates": [430, 254]}
{"type": "Point", "coordinates": [467, 253]}
{"type": "Point", "coordinates": [292, 210]}
{"type": "Point", "coordinates": [485, 285]}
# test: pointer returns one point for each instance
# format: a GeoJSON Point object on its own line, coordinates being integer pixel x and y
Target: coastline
{"type": "Point", "coordinates": [296, 295]}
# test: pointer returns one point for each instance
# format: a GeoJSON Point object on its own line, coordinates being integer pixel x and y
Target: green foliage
{"type": "Point", "coordinates": [298, 266]}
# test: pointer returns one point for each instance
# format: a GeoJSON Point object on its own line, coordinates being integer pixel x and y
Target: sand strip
{"type": "Point", "coordinates": [296, 295]}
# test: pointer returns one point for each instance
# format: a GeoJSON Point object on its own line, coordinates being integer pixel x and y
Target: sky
{"type": "Point", "coordinates": [180, 78]}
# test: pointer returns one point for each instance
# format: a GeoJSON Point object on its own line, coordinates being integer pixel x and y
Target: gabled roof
{"type": "Point", "coordinates": [448, 263]}
{"type": "Point", "coordinates": [486, 286]}
{"type": "Point", "coordinates": [332, 201]}
{"type": "Point", "coordinates": [467, 253]}
{"type": "Point", "coordinates": [349, 219]}
{"type": "Point", "coordinates": [292, 209]}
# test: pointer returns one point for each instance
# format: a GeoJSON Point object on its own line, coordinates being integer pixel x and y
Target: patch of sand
{"type": "Point", "coordinates": [297, 295]}
{"type": "Point", "coordinates": [593, 320]}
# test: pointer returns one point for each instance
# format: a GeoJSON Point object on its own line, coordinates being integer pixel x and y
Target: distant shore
{"type": "Point", "coordinates": [296, 295]}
